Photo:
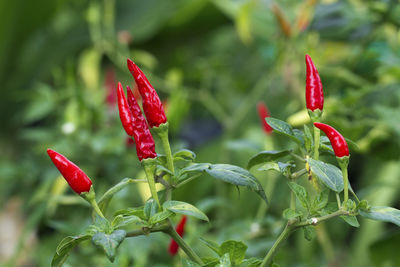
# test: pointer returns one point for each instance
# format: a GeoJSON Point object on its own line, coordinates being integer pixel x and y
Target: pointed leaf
{"type": "Point", "coordinates": [351, 220]}
{"type": "Point", "coordinates": [237, 176]}
{"type": "Point", "coordinates": [65, 246]}
{"type": "Point", "coordinates": [283, 128]}
{"type": "Point", "coordinates": [184, 208]}
{"type": "Point", "coordinates": [381, 213]}
{"type": "Point", "coordinates": [329, 174]}
{"type": "Point", "coordinates": [109, 243]}
{"type": "Point", "coordinates": [235, 249]}
{"type": "Point", "coordinates": [266, 156]}
{"type": "Point", "coordinates": [301, 194]}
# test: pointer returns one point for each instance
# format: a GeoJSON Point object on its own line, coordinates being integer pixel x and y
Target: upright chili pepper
{"type": "Point", "coordinates": [76, 178]}
{"type": "Point", "coordinates": [124, 113]}
{"type": "Point", "coordinates": [180, 229]}
{"type": "Point", "coordinates": [314, 93]}
{"type": "Point", "coordinates": [145, 146]}
{"type": "Point", "coordinates": [152, 106]}
{"type": "Point", "coordinates": [338, 142]}
{"type": "Point", "coordinates": [263, 113]}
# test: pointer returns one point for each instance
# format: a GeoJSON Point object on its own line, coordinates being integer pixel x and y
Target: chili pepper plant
{"type": "Point", "coordinates": [330, 196]}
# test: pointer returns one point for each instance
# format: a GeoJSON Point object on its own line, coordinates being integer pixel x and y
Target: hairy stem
{"type": "Point", "coordinates": [183, 245]}
{"type": "Point", "coordinates": [316, 143]}
{"type": "Point", "coordinates": [271, 253]}
{"type": "Point", "coordinates": [346, 183]}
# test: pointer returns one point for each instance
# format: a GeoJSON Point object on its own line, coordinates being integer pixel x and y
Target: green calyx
{"type": "Point", "coordinates": [91, 198]}
{"type": "Point", "coordinates": [149, 166]}
{"type": "Point", "coordinates": [315, 115]}
{"type": "Point", "coordinates": [343, 161]}
{"type": "Point", "coordinates": [163, 127]}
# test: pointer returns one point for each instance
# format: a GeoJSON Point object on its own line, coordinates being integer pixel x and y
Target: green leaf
{"type": "Point", "coordinates": [270, 166]}
{"type": "Point", "coordinates": [286, 168]}
{"type": "Point", "coordinates": [283, 128]}
{"type": "Point", "coordinates": [121, 221]}
{"type": "Point", "coordinates": [150, 208]}
{"type": "Point", "coordinates": [212, 245]}
{"type": "Point", "coordinates": [309, 232]}
{"type": "Point", "coordinates": [289, 214]}
{"type": "Point", "coordinates": [237, 176]}
{"type": "Point", "coordinates": [351, 220]}
{"type": "Point", "coordinates": [235, 249]}
{"type": "Point", "coordinates": [224, 261]}
{"type": "Point", "coordinates": [321, 200]}
{"type": "Point", "coordinates": [184, 208]}
{"type": "Point", "coordinates": [266, 156]}
{"type": "Point", "coordinates": [63, 249]}
{"type": "Point", "coordinates": [381, 213]}
{"type": "Point", "coordinates": [139, 212]}
{"type": "Point", "coordinates": [184, 154]}
{"type": "Point", "coordinates": [308, 139]}
{"type": "Point", "coordinates": [189, 263]}
{"type": "Point", "coordinates": [160, 216]}
{"type": "Point", "coordinates": [252, 262]}
{"type": "Point", "coordinates": [301, 194]}
{"type": "Point", "coordinates": [329, 174]}
{"type": "Point", "coordinates": [109, 243]}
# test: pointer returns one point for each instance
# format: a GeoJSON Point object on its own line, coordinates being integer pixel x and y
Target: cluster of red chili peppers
{"type": "Point", "coordinates": [137, 128]}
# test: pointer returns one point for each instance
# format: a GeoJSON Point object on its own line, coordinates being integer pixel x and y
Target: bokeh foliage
{"type": "Point", "coordinates": [212, 61]}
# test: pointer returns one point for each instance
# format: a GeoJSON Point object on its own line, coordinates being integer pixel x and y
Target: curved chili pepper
{"type": "Point", "coordinates": [337, 140]}
{"type": "Point", "coordinates": [314, 93]}
{"type": "Point", "coordinates": [152, 106]}
{"type": "Point", "coordinates": [124, 113]}
{"type": "Point", "coordinates": [180, 229]}
{"type": "Point", "coordinates": [145, 146]}
{"type": "Point", "coordinates": [76, 178]}
{"type": "Point", "coordinates": [264, 113]}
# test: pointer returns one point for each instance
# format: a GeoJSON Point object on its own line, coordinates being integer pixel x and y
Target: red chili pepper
{"type": "Point", "coordinates": [264, 113]}
{"type": "Point", "coordinates": [75, 177]}
{"type": "Point", "coordinates": [145, 146]}
{"type": "Point", "coordinates": [124, 113]}
{"type": "Point", "coordinates": [180, 229]}
{"type": "Point", "coordinates": [337, 140]}
{"type": "Point", "coordinates": [152, 106]}
{"type": "Point", "coordinates": [314, 93]}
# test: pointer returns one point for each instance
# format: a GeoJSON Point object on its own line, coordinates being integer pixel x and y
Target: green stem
{"type": "Point", "coordinates": [314, 221]}
{"type": "Point", "coordinates": [146, 231]}
{"type": "Point", "coordinates": [96, 207]}
{"type": "Point", "coordinates": [346, 182]}
{"type": "Point", "coordinates": [271, 253]}
{"type": "Point", "coordinates": [149, 169]}
{"type": "Point", "coordinates": [297, 157]}
{"type": "Point", "coordinates": [316, 143]}
{"type": "Point", "coordinates": [163, 134]}
{"type": "Point", "coordinates": [338, 201]}
{"type": "Point", "coordinates": [298, 173]}
{"type": "Point", "coordinates": [183, 245]}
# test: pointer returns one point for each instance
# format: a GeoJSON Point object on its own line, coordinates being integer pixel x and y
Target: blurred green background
{"type": "Point", "coordinates": [211, 62]}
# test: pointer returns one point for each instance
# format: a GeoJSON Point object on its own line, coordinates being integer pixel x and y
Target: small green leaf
{"type": "Point", "coordinates": [309, 232]}
{"type": "Point", "coordinates": [224, 261]}
{"type": "Point", "coordinates": [289, 214]}
{"type": "Point", "coordinates": [212, 245]}
{"type": "Point", "coordinates": [270, 166]}
{"type": "Point", "coordinates": [286, 168]}
{"type": "Point", "coordinates": [189, 263]}
{"type": "Point", "coordinates": [184, 154]}
{"type": "Point", "coordinates": [381, 213]}
{"type": "Point", "coordinates": [121, 221]}
{"type": "Point", "coordinates": [307, 138]}
{"type": "Point", "coordinates": [109, 243]}
{"type": "Point", "coordinates": [252, 262]}
{"type": "Point", "coordinates": [235, 249]}
{"type": "Point", "coordinates": [237, 176]}
{"type": "Point", "coordinates": [321, 200]}
{"type": "Point", "coordinates": [150, 208]}
{"type": "Point", "coordinates": [139, 212]}
{"type": "Point", "coordinates": [160, 216]}
{"type": "Point", "coordinates": [329, 174]}
{"type": "Point", "coordinates": [65, 246]}
{"type": "Point", "coordinates": [184, 208]}
{"type": "Point", "coordinates": [266, 156]}
{"type": "Point", "coordinates": [351, 220]}
{"type": "Point", "coordinates": [301, 194]}
{"type": "Point", "coordinates": [283, 128]}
